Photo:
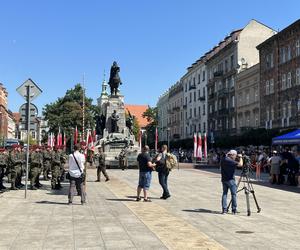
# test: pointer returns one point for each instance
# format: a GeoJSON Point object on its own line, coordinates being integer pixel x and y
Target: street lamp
{"type": "Point", "coordinates": [168, 137]}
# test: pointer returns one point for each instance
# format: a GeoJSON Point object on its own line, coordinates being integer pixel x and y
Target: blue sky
{"type": "Point", "coordinates": [55, 42]}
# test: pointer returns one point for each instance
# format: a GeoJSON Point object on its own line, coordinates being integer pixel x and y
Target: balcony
{"type": "Point", "coordinates": [211, 96]}
{"type": "Point", "coordinates": [223, 92]}
{"type": "Point", "coordinates": [192, 87]}
{"type": "Point", "coordinates": [176, 108]}
{"type": "Point", "coordinates": [184, 106]}
{"type": "Point", "coordinates": [202, 98]}
{"type": "Point", "coordinates": [218, 73]}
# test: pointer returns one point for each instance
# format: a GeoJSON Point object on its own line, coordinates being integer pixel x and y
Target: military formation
{"type": "Point", "coordinates": [42, 161]}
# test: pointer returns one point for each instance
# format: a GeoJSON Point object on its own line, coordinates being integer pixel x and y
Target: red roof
{"type": "Point", "coordinates": [137, 111]}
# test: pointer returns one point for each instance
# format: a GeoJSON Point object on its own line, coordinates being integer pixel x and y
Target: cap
{"type": "Point", "coordinates": [232, 152]}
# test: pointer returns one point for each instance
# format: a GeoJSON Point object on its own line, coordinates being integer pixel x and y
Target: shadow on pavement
{"type": "Point", "coordinates": [120, 199]}
{"type": "Point", "coordinates": [202, 210]}
{"type": "Point", "coordinates": [282, 187]}
{"type": "Point", "coordinates": [134, 197]}
{"type": "Point", "coordinates": [52, 202]}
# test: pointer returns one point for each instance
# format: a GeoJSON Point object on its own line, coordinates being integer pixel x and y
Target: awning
{"type": "Point", "coordinates": [291, 138]}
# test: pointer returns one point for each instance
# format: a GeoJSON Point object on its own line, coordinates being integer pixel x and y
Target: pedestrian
{"type": "Point", "coordinates": [275, 162]}
{"type": "Point", "coordinates": [163, 171]}
{"type": "Point", "coordinates": [145, 173]}
{"type": "Point", "coordinates": [99, 159]}
{"type": "Point", "coordinates": [228, 166]}
{"type": "Point", "coordinates": [123, 158]}
{"type": "Point", "coordinates": [76, 174]}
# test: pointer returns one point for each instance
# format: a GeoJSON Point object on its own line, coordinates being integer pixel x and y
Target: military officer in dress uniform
{"type": "Point", "coordinates": [99, 159]}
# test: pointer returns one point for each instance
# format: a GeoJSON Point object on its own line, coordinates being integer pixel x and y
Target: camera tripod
{"type": "Point", "coordinates": [248, 189]}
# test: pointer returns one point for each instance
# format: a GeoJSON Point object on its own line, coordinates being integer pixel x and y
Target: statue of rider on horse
{"type": "Point", "coordinates": [114, 79]}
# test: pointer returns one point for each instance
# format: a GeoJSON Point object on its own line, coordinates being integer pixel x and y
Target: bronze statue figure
{"type": "Point", "coordinates": [114, 122]}
{"type": "Point", "coordinates": [129, 122]}
{"type": "Point", "coordinates": [114, 79]}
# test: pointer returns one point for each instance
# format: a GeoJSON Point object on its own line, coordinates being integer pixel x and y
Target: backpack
{"type": "Point", "coordinates": [171, 161]}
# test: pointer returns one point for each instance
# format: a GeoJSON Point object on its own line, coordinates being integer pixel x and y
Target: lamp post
{"type": "Point", "coordinates": [168, 137]}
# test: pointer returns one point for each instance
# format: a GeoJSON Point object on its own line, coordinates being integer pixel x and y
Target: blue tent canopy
{"type": "Point", "coordinates": [289, 138]}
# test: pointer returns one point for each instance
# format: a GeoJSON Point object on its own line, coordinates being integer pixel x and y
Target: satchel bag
{"type": "Point", "coordinates": [82, 173]}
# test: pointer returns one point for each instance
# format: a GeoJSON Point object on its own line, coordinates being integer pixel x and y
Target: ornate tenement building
{"type": "Point", "coordinates": [247, 98]}
{"type": "Point", "coordinates": [280, 79]}
{"type": "Point", "coordinates": [3, 111]}
{"type": "Point", "coordinates": [225, 61]}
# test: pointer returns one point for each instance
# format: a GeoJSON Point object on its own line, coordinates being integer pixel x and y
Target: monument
{"type": "Point", "coordinates": [115, 132]}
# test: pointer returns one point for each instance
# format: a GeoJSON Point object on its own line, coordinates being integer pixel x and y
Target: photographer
{"type": "Point", "coordinates": [228, 166]}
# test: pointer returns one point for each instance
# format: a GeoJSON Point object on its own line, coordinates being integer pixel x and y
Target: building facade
{"type": "Point", "coordinates": [195, 98]}
{"type": "Point", "coordinates": [175, 111]}
{"type": "Point", "coordinates": [280, 79]}
{"type": "Point", "coordinates": [3, 111]}
{"type": "Point", "coordinates": [247, 99]}
{"type": "Point", "coordinates": [236, 52]}
{"type": "Point", "coordinates": [162, 113]}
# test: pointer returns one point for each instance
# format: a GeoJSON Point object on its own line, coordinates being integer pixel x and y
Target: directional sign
{"type": "Point", "coordinates": [35, 91]}
{"type": "Point", "coordinates": [32, 116]}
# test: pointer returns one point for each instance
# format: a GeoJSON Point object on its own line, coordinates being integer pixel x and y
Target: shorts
{"type": "Point", "coordinates": [145, 180]}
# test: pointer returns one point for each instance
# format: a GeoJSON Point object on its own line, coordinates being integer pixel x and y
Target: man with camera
{"type": "Point", "coordinates": [228, 166]}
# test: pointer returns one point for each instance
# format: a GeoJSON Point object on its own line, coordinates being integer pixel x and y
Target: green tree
{"type": "Point", "coordinates": [151, 115]}
{"type": "Point", "coordinates": [66, 112]}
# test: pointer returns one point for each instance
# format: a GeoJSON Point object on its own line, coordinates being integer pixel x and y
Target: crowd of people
{"type": "Point", "coordinates": [42, 161]}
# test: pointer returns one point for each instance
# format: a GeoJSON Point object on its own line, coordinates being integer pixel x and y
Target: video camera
{"type": "Point", "coordinates": [246, 168]}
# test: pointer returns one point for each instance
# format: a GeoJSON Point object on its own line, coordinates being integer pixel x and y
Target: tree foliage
{"type": "Point", "coordinates": [66, 112]}
{"type": "Point", "coordinates": [151, 115]}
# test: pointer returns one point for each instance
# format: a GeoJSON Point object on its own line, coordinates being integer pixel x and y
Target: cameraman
{"type": "Point", "coordinates": [228, 165]}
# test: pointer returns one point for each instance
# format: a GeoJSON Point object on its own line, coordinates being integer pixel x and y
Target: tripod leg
{"type": "Point", "coordinates": [254, 197]}
{"type": "Point", "coordinates": [247, 202]}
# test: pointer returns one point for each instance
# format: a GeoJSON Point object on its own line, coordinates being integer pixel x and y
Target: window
{"type": "Point", "coordinates": [268, 114]}
{"type": "Point", "coordinates": [203, 91]}
{"type": "Point", "coordinates": [282, 55]}
{"type": "Point", "coordinates": [298, 47]}
{"type": "Point", "coordinates": [203, 109]}
{"type": "Point", "coordinates": [191, 113]}
{"type": "Point", "coordinates": [199, 78]}
{"type": "Point", "coordinates": [283, 81]}
{"type": "Point", "coordinates": [247, 97]}
{"type": "Point", "coordinates": [185, 100]}
{"type": "Point", "coordinates": [256, 119]}
{"type": "Point", "coordinates": [194, 81]}
{"type": "Point", "coordinates": [204, 126]}
{"type": "Point", "coordinates": [232, 102]}
{"type": "Point", "coordinates": [220, 104]}
{"type": "Point", "coordinates": [226, 65]}
{"type": "Point", "coordinates": [195, 96]}
{"type": "Point", "coordinates": [227, 103]}
{"type": "Point", "coordinates": [199, 93]}
{"type": "Point", "coordinates": [271, 60]}
{"type": "Point", "coordinates": [288, 53]}
{"type": "Point", "coordinates": [284, 111]}
{"type": "Point", "coordinates": [190, 97]}
{"type": "Point", "coordinates": [289, 80]}
{"type": "Point", "coordinates": [195, 112]}
{"type": "Point", "coordinates": [272, 113]}
{"type": "Point", "coordinates": [298, 105]}
{"type": "Point", "coordinates": [231, 62]}
{"type": "Point", "coordinates": [256, 94]}
{"type": "Point", "coordinates": [203, 75]}
{"type": "Point", "coordinates": [216, 105]}
{"type": "Point", "coordinates": [199, 111]}
{"type": "Point", "coordinates": [298, 76]}
{"type": "Point", "coordinates": [267, 87]}
{"type": "Point", "coordinates": [271, 86]}
{"type": "Point", "coordinates": [185, 87]}
{"type": "Point", "coordinates": [199, 127]}
{"type": "Point", "coordinates": [210, 109]}
{"type": "Point", "coordinates": [233, 122]}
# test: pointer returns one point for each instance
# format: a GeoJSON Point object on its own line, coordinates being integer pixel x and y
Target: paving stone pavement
{"type": "Point", "coordinates": [190, 219]}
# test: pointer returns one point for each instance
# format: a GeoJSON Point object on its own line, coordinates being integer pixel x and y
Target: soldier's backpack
{"type": "Point", "coordinates": [171, 161]}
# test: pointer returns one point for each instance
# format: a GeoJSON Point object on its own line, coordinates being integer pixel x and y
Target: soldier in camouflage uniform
{"type": "Point", "coordinates": [20, 174]}
{"type": "Point", "coordinates": [3, 166]}
{"type": "Point", "coordinates": [99, 159]}
{"type": "Point", "coordinates": [55, 169]}
{"type": "Point", "coordinates": [63, 160]}
{"type": "Point", "coordinates": [123, 159]}
{"type": "Point", "coordinates": [47, 154]}
{"type": "Point", "coordinates": [36, 161]}
{"type": "Point", "coordinates": [15, 165]}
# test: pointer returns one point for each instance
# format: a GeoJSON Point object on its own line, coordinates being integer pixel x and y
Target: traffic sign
{"type": "Point", "coordinates": [35, 91]}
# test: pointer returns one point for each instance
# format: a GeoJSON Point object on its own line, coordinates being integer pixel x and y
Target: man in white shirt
{"type": "Point", "coordinates": [76, 170]}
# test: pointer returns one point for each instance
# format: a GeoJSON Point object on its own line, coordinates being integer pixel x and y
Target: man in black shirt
{"type": "Point", "coordinates": [228, 165]}
{"type": "Point", "coordinates": [146, 167]}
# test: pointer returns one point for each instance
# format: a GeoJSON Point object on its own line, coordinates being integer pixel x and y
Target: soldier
{"type": "Point", "coordinates": [15, 162]}
{"type": "Point", "coordinates": [36, 161]}
{"type": "Point", "coordinates": [46, 163]}
{"type": "Point", "coordinates": [100, 163]}
{"type": "Point", "coordinates": [63, 160]}
{"type": "Point", "coordinates": [3, 166]}
{"type": "Point", "coordinates": [55, 169]}
{"type": "Point", "coordinates": [123, 159]}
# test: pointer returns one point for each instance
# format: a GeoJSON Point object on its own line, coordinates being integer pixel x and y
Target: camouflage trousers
{"type": "Point", "coordinates": [56, 173]}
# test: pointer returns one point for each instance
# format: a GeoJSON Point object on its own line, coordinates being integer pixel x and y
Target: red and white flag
{"type": "Point", "coordinates": [199, 148]}
{"type": "Point", "coordinates": [195, 145]}
{"type": "Point", "coordinates": [90, 141]}
{"type": "Point", "coordinates": [156, 139]}
{"type": "Point", "coordinates": [65, 140]}
{"type": "Point", "coordinates": [205, 147]}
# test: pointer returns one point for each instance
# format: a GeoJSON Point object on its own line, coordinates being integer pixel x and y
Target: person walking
{"type": "Point", "coordinates": [55, 169]}
{"type": "Point", "coordinates": [275, 162]}
{"type": "Point", "coordinates": [228, 166]}
{"type": "Point", "coordinates": [145, 173]}
{"type": "Point", "coordinates": [99, 159]}
{"type": "Point", "coordinates": [76, 173]}
{"type": "Point", "coordinates": [163, 171]}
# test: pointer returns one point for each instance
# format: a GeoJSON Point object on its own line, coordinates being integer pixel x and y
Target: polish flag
{"type": "Point", "coordinates": [195, 145]}
{"type": "Point", "coordinates": [65, 140]}
{"type": "Point", "coordinates": [199, 148]}
{"type": "Point", "coordinates": [205, 147]}
{"type": "Point", "coordinates": [90, 141]}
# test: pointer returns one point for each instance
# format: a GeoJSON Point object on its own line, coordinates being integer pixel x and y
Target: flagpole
{"type": "Point", "coordinates": [83, 107]}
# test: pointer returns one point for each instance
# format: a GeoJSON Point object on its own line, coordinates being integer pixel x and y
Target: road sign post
{"type": "Point", "coordinates": [29, 91]}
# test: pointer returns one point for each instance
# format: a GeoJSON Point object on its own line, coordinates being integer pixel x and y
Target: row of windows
{"type": "Point", "coordinates": [244, 120]}
{"type": "Point", "coordinates": [244, 98]}
{"type": "Point", "coordinates": [192, 82]}
{"type": "Point", "coordinates": [220, 85]}
{"type": "Point", "coordinates": [193, 128]}
{"type": "Point", "coordinates": [217, 125]}
{"type": "Point", "coordinates": [223, 67]}
{"type": "Point", "coordinates": [193, 96]}
{"type": "Point", "coordinates": [286, 53]}
{"type": "Point", "coordinates": [221, 104]}
{"type": "Point", "coordinates": [193, 112]}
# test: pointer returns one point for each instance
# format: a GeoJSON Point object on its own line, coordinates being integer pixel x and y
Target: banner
{"type": "Point", "coordinates": [199, 148]}
{"type": "Point", "coordinates": [195, 145]}
{"type": "Point", "coordinates": [205, 147]}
